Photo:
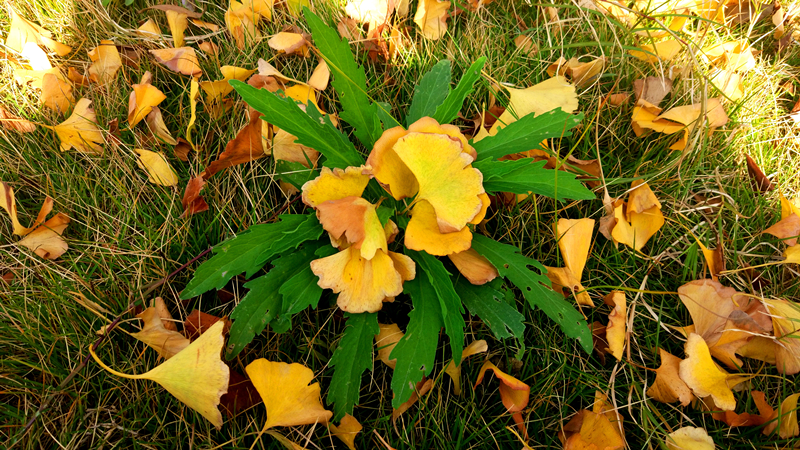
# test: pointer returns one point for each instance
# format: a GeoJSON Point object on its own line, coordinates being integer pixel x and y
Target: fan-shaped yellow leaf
{"type": "Point", "coordinates": [703, 376]}
{"type": "Point", "coordinates": [423, 233]}
{"type": "Point", "coordinates": [574, 240]}
{"type": "Point", "coordinates": [664, 50]}
{"type": "Point", "coordinates": [167, 343]}
{"type": "Point", "coordinates": [143, 99]}
{"type": "Point", "coordinates": [56, 92]}
{"type": "Point", "coordinates": [347, 430]}
{"type": "Point", "coordinates": [689, 438]}
{"type": "Point", "coordinates": [335, 184]}
{"type": "Point", "coordinates": [149, 29]}
{"type": "Point", "coordinates": [385, 340]}
{"type": "Point", "coordinates": [289, 43]}
{"type": "Point", "coordinates": [106, 63]}
{"type": "Point", "coordinates": [431, 17]}
{"type": "Point", "coordinates": [617, 323]}
{"type": "Point", "coordinates": [669, 387]}
{"type": "Point", "coordinates": [23, 31]}
{"type": "Point", "coordinates": [181, 60]}
{"type": "Point", "coordinates": [286, 393]}
{"type": "Point", "coordinates": [158, 169]}
{"type": "Point", "coordinates": [540, 98]}
{"type": "Point", "coordinates": [178, 21]}
{"type": "Point", "coordinates": [79, 131]}
{"type": "Point", "coordinates": [196, 376]}
{"type": "Point", "coordinates": [474, 266]}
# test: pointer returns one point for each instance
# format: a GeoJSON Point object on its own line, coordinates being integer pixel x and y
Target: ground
{"type": "Point", "coordinates": [126, 234]}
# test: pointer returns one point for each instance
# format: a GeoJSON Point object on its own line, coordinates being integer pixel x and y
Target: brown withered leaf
{"type": "Point", "coordinates": [248, 145]}
{"type": "Point", "coordinates": [668, 386]}
{"type": "Point", "coordinates": [758, 180]}
{"type": "Point", "coordinates": [15, 123]}
{"type": "Point", "coordinates": [422, 388]}
{"type": "Point", "coordinates": [652, 89]}
{"type": "Point", "coordinates": [241, 395]}
{"type": "Point", "coordinates": [182, 149]}
{"type": "Point", "coordinates": [182, 60]}
{"type": "Point", "coordinates": [198, 322]}
{"type": "Point", "coordinates": [192, 202]}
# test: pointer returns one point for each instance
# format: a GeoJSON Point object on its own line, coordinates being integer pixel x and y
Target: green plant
{"type": "Point", "coordinates": [428, 182]}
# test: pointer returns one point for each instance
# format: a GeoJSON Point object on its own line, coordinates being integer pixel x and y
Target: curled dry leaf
{"type": "Point", "coordinates": [431, 17]}
{"type": "Point", "coordinates": [106, 63]}
{"type": "Point", "coordinates": [574, 241]}
{"type": "Point", "coordinates": [758, 180]}
{"type": "Point", "coordinates": [287, 395]}
{"type": "Point", "coordinates": [181, 60]}
{"type": "Point", "coordinates": [15, 123]}
{"type": "Point", "coordinates": [347, 430]}
{"type": "Point", "coordinates": [474, 266]}
{"type": "Point", "coordinates": [158, 169]}
{"type": "Point", "coordinates": [513, 393]}
{"type": "Point", "coordinates": [143, 99]}
{"type": "Point", "coordinates": [639, 219]}
{"type": "Point", "coordinates": [248, 145]}
{"type": "Point", "coordinates": [385, 340]}
{"type": "Point", "coordinates": [80, 131]}
{"type": "Point", "coordinates": [689, 438]}
{"type": "Point", "coordinates": [155, 122]}
{"type": "Point", "coordinates": [163, 313]}
{"type": "Point", "coordinates": [192, 201]}
{"type": "Point", "coordinates": [289, 43]}
{"type": "Point", "coordinates": [788, 228]}
{"type": "Point", "coordinates": [455, 370]}
{"type": "Point", "coordinates": [421, 389]}
{"type": "Point", "coordinates": [42, 237]}
{"type": "Point", "coordinates": [196, 376]}
{"type": "Point", "coordinates": [167, 343]}
{"type": "Point", "coordinates": [668, 386]}
{"type": "Point", "coordinates": [22, 32]}
{"type": "Point", "coordinates": [617, 323]}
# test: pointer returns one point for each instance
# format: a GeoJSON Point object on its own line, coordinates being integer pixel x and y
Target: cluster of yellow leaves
{"type": "Point", "coordinates": [634, 222]}
{"type": "Point", "coordinates": [728, 324]}
{"type": "Point", "coordinates": [43, 237]}
{"type": "Point", "coordinates": [599, 428]}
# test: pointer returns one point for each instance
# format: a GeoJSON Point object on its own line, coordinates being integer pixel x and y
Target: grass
{"type": "Point", "coordinates": [125, 234]}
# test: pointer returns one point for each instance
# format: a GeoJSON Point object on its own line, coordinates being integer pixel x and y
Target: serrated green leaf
{"type": "Point", "coordinates": [448, 110]}
{"type": "Point", "coordinates": [523, 176]}
{"type": "Point", "coordinates": [352, 357]}
{"type": "Point", "coordinates": [294, 173]}
{"type": "Point", "coordinates": [250, 250]}
{"type": "Point", "coordinates": [385, 115]}
{"type": "Point", "coordinates": [430, 92]}
{"type": "Point", "coordinates": [449, 301]}
{"type": "Point", "coordinates": [527, 133]}
{"type": "Point", "coordinates": [489, 304]}
{"type": "Point", "coordinates": [349, 81]}
{"type": "Point", "coordinates": [416, 350]}
{"type": "Point", "coordinates": [311, 127]}
{"type": "Point", "coordinates": [535, 287]}
{"type": "Point", "coordinates": [274, 297]}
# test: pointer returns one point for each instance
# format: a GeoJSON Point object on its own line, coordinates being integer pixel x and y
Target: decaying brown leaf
{"type": "Point", "coordinates": [759, 181]}
{"type": "Point", "coordinates": [15, 123]}
{"type": "Point", "coordinates": [198, 322]}
{"type": "Point", "coordinates": [421, 389]}
{"type": "Point", "coordinates": [42, 237]}
{"type": "Point", "coordinates": [192, 201]}
{"type": "Point", "coordinates": [652, 89]}
{"type": "Point", "coordinates": [668, 386]}
{"type": "Point", "coordinates": [167, 343]}
{"type": "Point", "coordinates": [248, 145]}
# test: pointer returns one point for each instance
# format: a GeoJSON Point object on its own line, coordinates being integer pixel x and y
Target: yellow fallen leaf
{"type": "Point", "coordinates": [158, 169]}
{"type": "Point", "coordinates": [347, 430]}
{"type": "Point", "coordinates": [786, 325]}
{"type": "Point", "coordinates": [538, 99]}
{"type": "Point", "coordinates": [513, 393]}
{"type": "Point", "coordinates": [8, 202]}
{"type": "Point", "coordinates": [388, 336]}
{"type": "Point", "coordinates": [635, 225]}
{"type": "Point", "coordinates": [143, 99]}
{"type": "Point", "coordinates": [729, 83]}
{"type": "Point", "coordinates": [421, 389]}
{"type": "Point", "coordinates": [37, 58]}
{"type": "Point", "coordinates": [431, 17]}
{"type": "Point", "coordinates": [574, 240]}
{"type": "Point", "coordinates": [242, 24]}
{"type": "Point", "coordinates": [455, 370]}
{"type": "Point", "coordinates": [155, 122]}
{"type": "Point", "coordinates": [163, 313]}
{"type": "Point", "coordinates": [584, 74]}
{"type": "Point", "coordinates": [149, 29]}
{"type": "Point", "coordinates": [23, 31]}
{"type": "Point", "coordinates": [106, 63]}
{"type": "Point", "coordinates": [668, 386]}
{"type": "Point", "coordinates": [194, 91]}
{"type": "Point", "coordinates": [617, 323]}
{"type": "Point", "coordinates": [178, 21]}
{"type": "Point", "coordinates": [689, 438]}
{"type": "Point", "coordinates": [703, 376]}
{"type": "Point", "coordinates": [261, 7]}
{"type": "Point", "coordinates": [167, 343]}
{"type": "Point", "coordinates": [320, 76]}
{"type": "Point", "coordinates": [196, 376]}
{"type": "Point", "coordinates": [216, 90]}
{"type": "Point", "coordinates": [599, 428]}
{"type": "Point", "coordinates": [561, 278]}
{"type": "Point", "coordinates": [474, 266]}
{"type": "Point", "coordinates": [181, 60]}
{"type": "Point", "coordinates": [12, 122]}
{"type": "Point", "coordinates": [664, 50]}
{"type": "Point", "coordinates": [792, 254]}
{"type": "Point", "coordinates": [80, 131]}
{"type": "Point", "coordinates": [56, 92]}
{"type": "Point", "coordinates": [295, 7]}
{"type": "Point", "coordinates": [784, 419]}
{"type": "Point", "coordinates": [289, 43]}
{"type": "Point", "coordinates": [286, 393]}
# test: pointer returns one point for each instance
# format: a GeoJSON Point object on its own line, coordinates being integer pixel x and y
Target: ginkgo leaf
{"type": "Point", "coordinates": [474, 266]}
{"type": "Point", "coordinates": [792, 254]}
{"type": "Point", "coordinates": [149, 29]}
{"type": "Point", "coordinates": [80, 131]}
{"type": "Point", "coordinates": [423, 233]}
{"type": "Point", "coordinates": [261, 7]}
{"type": "Point", "coordinates": [374, 12]}
{"type": "Point", "coordinates": [216, 90]}
{"type": "Point", "coordinates": [422, 388]}
{"type": "Point", "coordinates": [668, 386]}
{"type": "Point", "coordinates": [178, 21]}
{"type": "Point", "coordinates": [785, 317]}
{"type": "Point", "coordinates": [513, 393]}
{"type": "Point", "coordinates": [289, 43]}
{"type": "Point", "coordinates": [689, 438]}
{"type": "Point", "coordinates": [431, 17]}
{"type": "Point", "coordinates": [143, 99]}
{"type": "Point", "coordinates": [248, 145]}
{"type": "Point", "coordinates": [12, 122]}
{"type": "Point", "coordinates": [192, 202]}
{"type": "Point", "coordinates": [595, 429]}
{"type": "Point", "coordinates": [155, 122]}
{"type": "Point", "coordinates": [167, 343]}
{"type": "Point", "coordinates": [703, 376]}
{"type": "Point", "coordinates": [540, 98]}
{"type": "Point", "coordinates": [561, 278]}
{"type": "Point", "coordinates": [785, 419]}
{"type": "Point", "coordinates": [285, 148]}
{"type": "Point", "coordinates": [158, 169]}
{"type": "Point", "coordinates": [46, 240]}
{"type": "Point", "coordinates": [617, 323]}
{"type": "Point", "coordinates": [209, 47]}
{"type": "Point", "coordinates": [454, 370]}
{"type": "Point", "coordinates": [664, 50]}
{"type": "Point", "coordinates": [634, 226]}
{"type": "Point", "coordinates": [347, 430]}
{"type": "Point", "coordinates": [242, 23]}
{"type": "Point", "coordinates": [23, 31]}
{"type": "Point", "coordinates": [56, 92]}
{"type": "Point", "coordinates": [196, 376]}
{"type": "Point", "coordinates": [320, 77]}
{"type": "Point", "coordinates": [574, 240]}
{"type": "Point", "coordinates": [385, 342]}
{"type": "Point", "coordinates": [163, 313]}
{"type": "Point", "coordinates": [287, 395]}
{"type": "Point", "coordinates": [181, 60]}
{"type": "Point", "coordinates": [106, 63]}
